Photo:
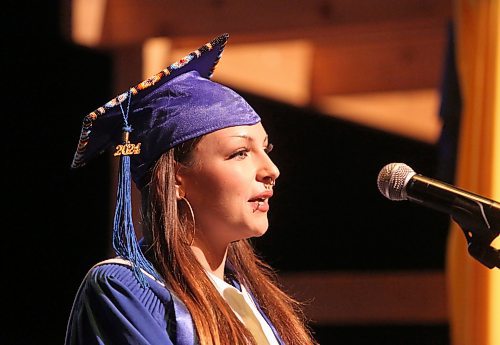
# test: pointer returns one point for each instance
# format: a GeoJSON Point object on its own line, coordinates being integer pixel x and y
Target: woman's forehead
{"type": "Point", "coordinates": [250, 133]}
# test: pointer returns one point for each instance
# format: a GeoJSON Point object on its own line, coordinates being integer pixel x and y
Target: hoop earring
{"type": "Point", "coordinates": [192, 216]}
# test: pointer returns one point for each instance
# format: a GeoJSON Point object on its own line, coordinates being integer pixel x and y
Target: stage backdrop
{"type": "Point", "coordinates": [474, 290]}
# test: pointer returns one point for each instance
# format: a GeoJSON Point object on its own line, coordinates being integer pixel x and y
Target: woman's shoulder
{"type": "Point", "coordinates": [116, 276]}
{"type": "Point", "coordinates": [111, 303]}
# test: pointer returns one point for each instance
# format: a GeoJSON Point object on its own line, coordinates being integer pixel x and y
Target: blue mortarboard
{"type": "Point", "coordinates": [177, 104]}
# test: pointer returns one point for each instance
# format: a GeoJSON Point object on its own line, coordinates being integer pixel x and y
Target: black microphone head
{"type": "Point", "coordinates": [392, 180]}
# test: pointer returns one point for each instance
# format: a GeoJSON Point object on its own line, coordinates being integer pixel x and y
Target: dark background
{"type": "Point", "coordinates": [327, 213]}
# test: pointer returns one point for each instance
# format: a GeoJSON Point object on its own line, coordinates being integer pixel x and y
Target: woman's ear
{"type": "Point", "coordinates": [179, 193]}
{"type": "Point", "coordinates": [179, 190]}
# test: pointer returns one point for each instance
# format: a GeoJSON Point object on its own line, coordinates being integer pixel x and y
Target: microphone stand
{"type": "Point", "coordinates": [480, 225]}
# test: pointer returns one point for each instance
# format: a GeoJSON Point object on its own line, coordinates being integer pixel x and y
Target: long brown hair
{"type": "Point", "coordinates": [170, 230]}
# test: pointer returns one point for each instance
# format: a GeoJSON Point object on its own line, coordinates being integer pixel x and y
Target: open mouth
{"type": "Point", "coordinates": [260, 202]}
{"type": "Point", "coordinates": [260, 205]}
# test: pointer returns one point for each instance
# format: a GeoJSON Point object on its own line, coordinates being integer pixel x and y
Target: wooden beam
{"type": "Point", "coordinates": [361, 58]}
{"type": "Point", "coordinates": [393, 56]}
{"type": "Point", "coordinates": [411, 113]}
{"type": "Point", "coordinates": [128, 22]}
{"type": "Point", "coordinates": [341, 298]}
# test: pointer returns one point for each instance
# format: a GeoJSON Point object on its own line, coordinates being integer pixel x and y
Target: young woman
{"type": "Point", "coordinates": [199, 154]}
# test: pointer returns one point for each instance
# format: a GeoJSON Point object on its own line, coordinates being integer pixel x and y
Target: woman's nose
{"type": "Point", "coordinates": [269, 171]}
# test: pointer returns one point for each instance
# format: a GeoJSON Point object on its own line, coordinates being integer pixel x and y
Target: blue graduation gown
{"type": "Point", "coordinates": [111, 307]}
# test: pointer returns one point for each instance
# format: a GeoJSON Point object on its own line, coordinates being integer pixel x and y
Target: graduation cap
{"type": "Point", "coordinates": [175, 105]}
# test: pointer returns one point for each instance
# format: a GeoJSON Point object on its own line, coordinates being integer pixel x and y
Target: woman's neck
{"type": "Point", "coordinates": [211, 258]}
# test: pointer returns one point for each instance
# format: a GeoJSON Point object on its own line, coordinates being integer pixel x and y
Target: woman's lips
{"type": "Point", "coordinates": [262, 206]}
{"type": "Point", "coordinates": [260, 201]}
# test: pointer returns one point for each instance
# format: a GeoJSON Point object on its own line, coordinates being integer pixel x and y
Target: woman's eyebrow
{"type": "Point", "coordinates": [242, 136]}
{"type": "Point", "coordinates": [249, 138]}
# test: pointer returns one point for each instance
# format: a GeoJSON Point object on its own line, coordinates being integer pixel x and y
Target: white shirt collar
{"type": "Point", "coordinates": [242, 305]}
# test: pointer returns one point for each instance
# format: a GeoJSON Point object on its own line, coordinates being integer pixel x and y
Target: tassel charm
{"type": "Point", "coordinates": [127, 148]}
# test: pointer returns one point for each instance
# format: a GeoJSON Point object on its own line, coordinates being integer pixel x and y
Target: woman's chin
{"type": "Point", "coordinates": [259, 231]}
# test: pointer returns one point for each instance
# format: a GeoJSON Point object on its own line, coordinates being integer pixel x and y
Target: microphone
{"type": "Point", "coordinates": [479, 217]}
{"type": "Point", "coordinates": [397, 181]}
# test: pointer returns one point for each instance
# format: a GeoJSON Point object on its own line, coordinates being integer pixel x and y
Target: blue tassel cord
{"type": "Point", "coordinates": [125, 241]}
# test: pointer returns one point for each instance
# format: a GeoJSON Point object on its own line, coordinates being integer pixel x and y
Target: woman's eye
{"type": "Point", "coordinates": [239, 154]}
